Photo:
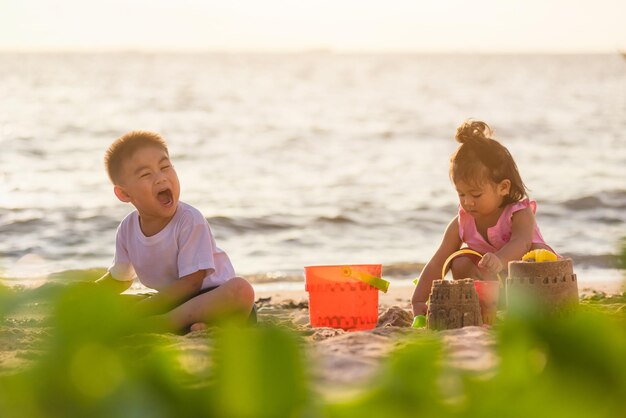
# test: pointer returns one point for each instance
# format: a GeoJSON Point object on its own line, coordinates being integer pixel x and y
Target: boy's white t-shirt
{"type": "Point", "coordinates": [184, 246]}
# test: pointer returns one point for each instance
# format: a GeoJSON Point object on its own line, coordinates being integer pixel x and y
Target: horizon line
{"type": "Point", "coordinates": [321, 50]}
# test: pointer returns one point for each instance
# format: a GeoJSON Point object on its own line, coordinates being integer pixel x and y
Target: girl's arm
{"type": "Point", "coordinates": [522, 228]}
{"type": "Point", "coordinates": [432, 271]}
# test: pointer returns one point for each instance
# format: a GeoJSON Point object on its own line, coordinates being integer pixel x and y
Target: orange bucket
{"type": "Point", "coordinates": [342, 297]}
{"type": "Point", "coordinates": [488, 296]}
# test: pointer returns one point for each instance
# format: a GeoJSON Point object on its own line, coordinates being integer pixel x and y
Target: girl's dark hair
{"type": "Point", "coordinates": [480, 157]}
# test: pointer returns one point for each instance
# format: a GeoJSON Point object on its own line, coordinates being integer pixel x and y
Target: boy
{"type": "Point", "coordinates": [168, 244]}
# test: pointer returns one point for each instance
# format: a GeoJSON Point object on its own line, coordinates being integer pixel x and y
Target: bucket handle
{"type": "Point", "coordinates": [456, 254]}
{"type": "Point", "coordinates": [377, 282]}
{"type": "Point", "coordinates": [461, 252]}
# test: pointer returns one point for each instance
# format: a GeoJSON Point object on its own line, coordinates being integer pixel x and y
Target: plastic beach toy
{"type": "Point", "coordinates": [377, 282]}
{"type": "Point", "coordinates": [419, 321]}
{"type": "Point", "coordinates": [539, 256]}
{"type": "Point", "coordinates": [464, 251]}
{"type": "Point", "coordinates": [344, 296]}
{"type": "Point", "coordinates": [488, 296]}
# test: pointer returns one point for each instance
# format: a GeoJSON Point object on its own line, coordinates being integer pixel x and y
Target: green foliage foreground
{"type": "Point", "coordinates": [95, 361]}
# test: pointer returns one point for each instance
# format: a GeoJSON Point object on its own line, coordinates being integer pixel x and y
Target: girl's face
{"type": "Point", "coordinates": [483, 199]}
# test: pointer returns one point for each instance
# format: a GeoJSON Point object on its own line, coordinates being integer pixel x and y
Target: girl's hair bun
{"type": "Point", "coordinates": [473, 131]}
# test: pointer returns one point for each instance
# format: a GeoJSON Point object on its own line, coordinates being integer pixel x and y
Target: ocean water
{"type": "Point", "coordinates": [303, 159]}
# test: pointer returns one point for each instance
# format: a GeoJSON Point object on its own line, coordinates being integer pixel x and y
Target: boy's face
{"type": "Point", "coordinates": [150, 183]}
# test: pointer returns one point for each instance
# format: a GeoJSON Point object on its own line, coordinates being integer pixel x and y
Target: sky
{"type": "Point", "coordinates": [500, 26]}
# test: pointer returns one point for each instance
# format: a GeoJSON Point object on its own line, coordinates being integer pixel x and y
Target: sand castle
{"type": "Point", "coordinates": [552, 284]}
{"type": "Point", "coordinates": [453, 304]}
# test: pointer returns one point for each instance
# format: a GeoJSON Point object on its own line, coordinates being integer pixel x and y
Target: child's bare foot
{"type": "Point", "coordinates": [198, 326]}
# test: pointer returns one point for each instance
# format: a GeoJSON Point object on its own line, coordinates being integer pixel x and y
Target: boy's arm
{"type": "Point", "coordinates": [117, 286]}
{"type": "Point", "coordinates": [432, 271]}
{"type": "Point", "coordinates": [175, 294]}
{"type": "Point", "coordinates": [522, 228]}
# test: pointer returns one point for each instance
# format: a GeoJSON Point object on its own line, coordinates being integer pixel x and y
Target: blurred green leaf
{"type": "Point", "coordinates": [259, 372]}
{"type": "Point", "coordinates": [73, 276]}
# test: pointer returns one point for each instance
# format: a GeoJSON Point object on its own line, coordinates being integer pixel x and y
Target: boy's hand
{"type": "Point", "coordinates": [107, 281]}
{"type": "Point", "coordinates": [491, 263]}
{"type": "Point", "coordinates": [419, 308]}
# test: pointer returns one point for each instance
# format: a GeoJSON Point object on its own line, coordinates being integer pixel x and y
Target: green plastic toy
{"type": "Point", "coordinates": [419, 321]}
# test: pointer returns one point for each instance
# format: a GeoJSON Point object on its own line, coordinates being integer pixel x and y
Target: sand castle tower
{"type": "Point", "coordinates": [550, 284]}
{"type": "Point", "coordinates": [453, 304]}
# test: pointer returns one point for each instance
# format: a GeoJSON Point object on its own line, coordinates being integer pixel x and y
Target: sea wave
{"type": "Point", "coordinates": [615, 199]}
{"type": "Point", "coordinates": [275, 222]}
{"type": "Point", "coordinates": [339, 219]}
{"type": "Point", "coordinates": [594, 260]}
{"type": "Point", "coordinates": [250, 224]}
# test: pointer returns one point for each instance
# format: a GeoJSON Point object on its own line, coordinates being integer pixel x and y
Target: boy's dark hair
{"type": "Point", "coordinates": [125, 146]}
{"type": "Point", "coordinates": [480, 157]}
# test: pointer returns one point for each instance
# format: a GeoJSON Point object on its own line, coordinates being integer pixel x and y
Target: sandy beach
{"type": "Point", "coordinates": [341, 361]}
{"type": "Point", "coordinates": [348, 360]}
{"type": "Point", "coordinates": [344, 360]}
{"type": "Point", "coordinates": [66, 353]}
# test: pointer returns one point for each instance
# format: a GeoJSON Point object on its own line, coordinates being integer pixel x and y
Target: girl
{"type": "Point", "coordinates": [495, 217]}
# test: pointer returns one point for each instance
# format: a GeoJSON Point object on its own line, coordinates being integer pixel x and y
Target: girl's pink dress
{"type": "Point", "coordinates": [499, 234]}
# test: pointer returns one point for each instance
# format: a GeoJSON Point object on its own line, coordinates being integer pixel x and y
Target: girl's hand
{"type": "Point", "coordinates": [419, 308]}
{"type": "Point", "coordinates": [491, 263]}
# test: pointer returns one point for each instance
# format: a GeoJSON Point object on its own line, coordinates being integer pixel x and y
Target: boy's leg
{"type": "Point", "coordinates": [233, 298]}
{"type": "Point", "coordinates": [252, 320]}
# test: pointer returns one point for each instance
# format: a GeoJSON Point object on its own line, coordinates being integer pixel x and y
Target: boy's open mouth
{"type": "Point", "coordinates": [165, 197]}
